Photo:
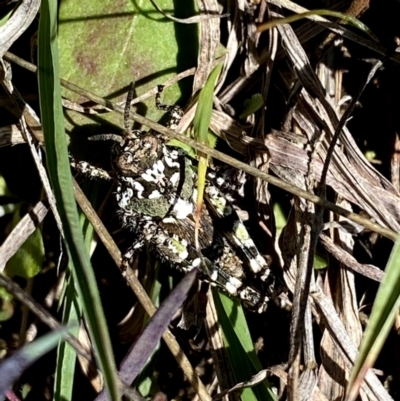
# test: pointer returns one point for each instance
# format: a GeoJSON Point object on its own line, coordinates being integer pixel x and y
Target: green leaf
{"type": "Point", "coordinates": [280, 216]}
{"type": "Point", "coordinates": [6, 305]}
{"type": "Point", "coordinates": [252, 105]}
{"type": "Point", "coordinates": [202, 117]}
{"type": "Point", "coordinates": [60, 176]}
{"type": "Point", "coordinates": [105, 45]}
{"type": "Point", "coordinates": [6, 17]}
{"type": "Point", "coordinates": [201, 123]}
{"type": "Point", "coordinates": [319, 262]}
{"type": "Point", "coordinates": [386, 306]}
{"type": "Point", "coordinates": [28, 260]}
{"type": "Point", "coordinates": [4, 191]}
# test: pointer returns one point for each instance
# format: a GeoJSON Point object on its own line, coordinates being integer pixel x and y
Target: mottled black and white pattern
{"type": "Point", "coordinates": [156, 200]}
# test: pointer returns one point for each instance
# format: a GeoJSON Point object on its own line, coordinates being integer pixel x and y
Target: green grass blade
{"type": "Point", "coordinates": [60, 175]}
{"type": "Point", "coordinates": [202, 118]}
{"type": "Point", "coordinates": [66, 355]}
{"type": "Point", "coordinates": [385, 307]}
{"type": "Point", "coordinates": [240, 348]}
{"type": "Point", "coordinates": [201, 124]}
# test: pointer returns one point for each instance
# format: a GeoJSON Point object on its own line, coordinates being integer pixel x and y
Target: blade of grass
{"type": "Point", "coordinates": [66, 355]}
{"type": "Point", "coordinates": [201, 124]}
{"type": "Point", "coordinates": [386, 305]}
{"type": "Point", "coordinates": [240, 348]}
{"type": "Point", "coordinates": [202, 117]}
{"type": "Point", "coordinates": [60, 175]}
